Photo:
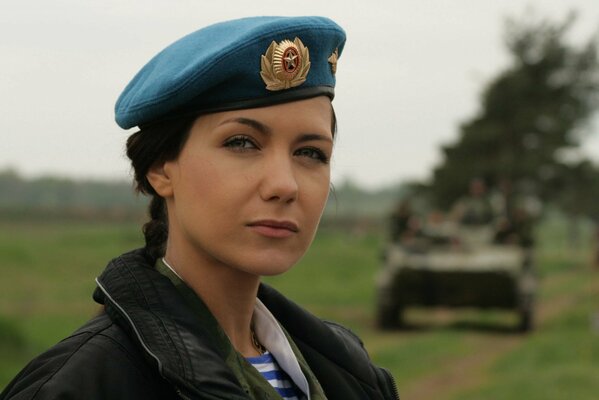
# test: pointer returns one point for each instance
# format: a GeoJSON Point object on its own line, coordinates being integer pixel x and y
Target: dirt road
{"type": "Point", "coordinates": [470, 370]}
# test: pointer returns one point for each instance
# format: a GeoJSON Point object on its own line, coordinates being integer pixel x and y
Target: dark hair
{"type": "Point", "coordinates": [156, 144]}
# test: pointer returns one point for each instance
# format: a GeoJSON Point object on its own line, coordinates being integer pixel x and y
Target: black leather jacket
{"type": "Point", "coordinates": [148, 345]}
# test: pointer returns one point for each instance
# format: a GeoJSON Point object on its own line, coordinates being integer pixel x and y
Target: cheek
{"type": "Point", "coordinates": [195, 185]}
{"type": "Point", "coordinates": [316, 192]}
{"type": "Point", "coordinates": [196, 177]}
{"type": "Point", "coordinates": [212, 188]}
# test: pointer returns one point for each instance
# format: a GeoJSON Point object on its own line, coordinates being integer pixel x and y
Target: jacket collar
{"type": "Point", "coordinates": [185, 349]}
{"type": "Point", "coordinates": [311, 334]}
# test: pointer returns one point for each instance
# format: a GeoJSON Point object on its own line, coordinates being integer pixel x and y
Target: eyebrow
{"type": "Point", "coordinates": [260, 127]}
{"type": "Point", "coordinates": [306, 137]}
{"type": "Point", "coordinates": [252, 123]}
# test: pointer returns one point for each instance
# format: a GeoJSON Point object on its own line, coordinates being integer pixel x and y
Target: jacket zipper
{"type": "Point", "coordinates": [393, 384]}
{"type": "Point", "coordinates": [178, 390]}
{"type": "Point", "coordinates": [122, 311]}
{"type": "Point", "coordinates": [144, 345]}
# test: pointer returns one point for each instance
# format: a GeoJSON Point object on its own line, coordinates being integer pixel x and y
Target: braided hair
{"type": "Point", "coordinates": [152, 145]}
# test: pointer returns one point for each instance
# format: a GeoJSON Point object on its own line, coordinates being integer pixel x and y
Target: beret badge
{"type": "Point", "coordinates": [333, 61]}
{"type": "Point", "coordinates": [285, 65]}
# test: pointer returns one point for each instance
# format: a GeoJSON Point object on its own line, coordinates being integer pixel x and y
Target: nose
{"type": "Point", "coordinates": [279, 182]}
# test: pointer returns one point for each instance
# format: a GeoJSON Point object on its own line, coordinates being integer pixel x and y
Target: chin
{"type": "Point", "coordinates": [273, 271]}
{"type": "Point", "coordinates": [270, 264]}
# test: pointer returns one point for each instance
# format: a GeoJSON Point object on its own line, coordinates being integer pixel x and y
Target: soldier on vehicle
{"type": "Point", "coordinates": [475, 209]}
{"type": "Point", "coordinates": [516, 215]}
{"type": "Point", "coordinates": [400, 220]}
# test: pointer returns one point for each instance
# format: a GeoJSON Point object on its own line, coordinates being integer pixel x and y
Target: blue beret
{"type": "Point", "coordinates": [244, 63]}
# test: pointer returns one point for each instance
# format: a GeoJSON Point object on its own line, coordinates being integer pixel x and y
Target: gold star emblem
{"type": "Point", "coordinates": [290, 60]}
{"type": "Point", "coordinates": [333, 61]}
{"type": "Point", "coordinates": [285, 65]}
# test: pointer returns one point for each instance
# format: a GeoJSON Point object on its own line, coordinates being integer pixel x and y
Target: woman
{"type": "Point", "coordinates": [236, 134]}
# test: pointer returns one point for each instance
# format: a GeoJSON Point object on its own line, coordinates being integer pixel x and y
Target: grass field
{"type": "Point", "coordinates": [46, 280]}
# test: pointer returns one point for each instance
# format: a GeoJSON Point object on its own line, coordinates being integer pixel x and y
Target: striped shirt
{"type": "Point", "coordinates": [277, 377]}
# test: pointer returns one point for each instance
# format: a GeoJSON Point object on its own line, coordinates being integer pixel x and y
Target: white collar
{"type": "Point", "coordinates": [271, 335]}
{"type": "Point", "coordinates": [171, 268]}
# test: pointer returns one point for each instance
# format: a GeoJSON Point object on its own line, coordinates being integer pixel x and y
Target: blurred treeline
{"type": "Point", "coordinates": [48, 197]}
{"type": "Point", "coordinates": [528, 136]}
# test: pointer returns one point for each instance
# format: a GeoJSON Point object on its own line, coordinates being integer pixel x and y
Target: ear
{"type": "Point", "coordinates": [160, 179]}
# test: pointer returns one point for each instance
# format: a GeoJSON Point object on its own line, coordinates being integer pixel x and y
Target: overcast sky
{"type": "Point", "coordinates": [410, 72]}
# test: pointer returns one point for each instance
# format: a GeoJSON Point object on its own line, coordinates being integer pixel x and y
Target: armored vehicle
{"type": "Point", "coordinates": [455, 267]}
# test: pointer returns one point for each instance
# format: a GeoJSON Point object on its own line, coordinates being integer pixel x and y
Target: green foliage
{"type": "Point", "coordinates": [10, 335]}
{"type": "Point", "coordinates": [347, 265]}
{"type": "Point", "coordinates": [424, 351]}
{"type": "Point", "coordinates": [561, 363]}
{"type": "Point", "coordinates": [12, 347]}
{"type": "Point", "coordinates": [530, 113]}
{"type": "Point", "coordinates": [576, 189]}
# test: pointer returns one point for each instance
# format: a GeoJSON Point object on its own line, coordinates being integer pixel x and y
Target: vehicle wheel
{"type": "Point", "coordinates": [526, 319]}
{"type": "Point", "coordinates": [388, 316]}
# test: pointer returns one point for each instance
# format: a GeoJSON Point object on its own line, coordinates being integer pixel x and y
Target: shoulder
{"type": "Point", "coordinates": [333, 340]}
{"type": "Point", "coordinates": [384, 380]}
{"type": "Point", "coordinates": [334, 353]}
{"type": "Point", "coordinates": [351, 340]}
{"type": "Point", "coordinates": [98, 361]}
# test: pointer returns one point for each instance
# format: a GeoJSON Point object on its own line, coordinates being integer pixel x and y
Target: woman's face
{"type": "Point", "coordinates": [249, 186]}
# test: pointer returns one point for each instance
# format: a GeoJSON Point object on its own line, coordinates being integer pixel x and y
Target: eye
{"type": "Point", "coordinates": [312, 153]}
{"type": "Point", "coordinates": [240, 143]}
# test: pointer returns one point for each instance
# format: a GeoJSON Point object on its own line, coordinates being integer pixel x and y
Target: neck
{"type": "Point", "coordinates": [229, 294]}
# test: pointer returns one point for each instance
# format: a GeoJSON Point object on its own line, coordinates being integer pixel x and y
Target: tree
{"type": "Point", "coordinates": [537, 107]}
{"type": "Point", "coordinates": [576, 189]}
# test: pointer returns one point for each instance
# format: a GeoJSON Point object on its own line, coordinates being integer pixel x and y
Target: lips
{"type": "Point", "coordinates": [274, 228]}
